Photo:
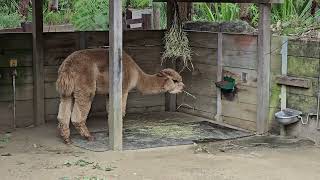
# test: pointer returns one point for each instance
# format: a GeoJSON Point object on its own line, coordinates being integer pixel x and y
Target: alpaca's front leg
{"type": "Point", "coordinates": [124, 102]}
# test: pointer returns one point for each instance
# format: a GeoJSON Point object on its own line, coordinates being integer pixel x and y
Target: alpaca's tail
{"type": "Point", "coordinates": [65, 82]}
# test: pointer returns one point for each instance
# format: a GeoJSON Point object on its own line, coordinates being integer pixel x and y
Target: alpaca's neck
{"type": "Point", "coordinates": [150, 84]}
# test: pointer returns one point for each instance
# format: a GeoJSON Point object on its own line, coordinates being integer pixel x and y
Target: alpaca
{"type": "Point", "coordinates": [84, 73]}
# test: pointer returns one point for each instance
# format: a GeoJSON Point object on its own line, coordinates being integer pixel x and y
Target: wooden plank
{"type": "Point", "coordinates": [24, 76]}
{"type": "Point", "coordinates": [247, 95]}
{"type": "Point", "coordinates": [306, 104]}
{"type": "Point", "coordinates": [51, 73]}
{"type": "Point", "coordinates": [293, 81]}
{"type": "Point", "coordinates": [228, 1]}
{"type": "Point", "coordinates": [38, 77]}
{"type": "Point", "coordinates": [24, 113]}
{"type": "Point", "coordinates": [201, 71]}
{"type": "Point", "coordinates": [60, 40]}
{"type": "Point", "coordinates": [219, 77]}
{"type": "Point", "coordinates": [312, 91]}
{"type": "Point", "coordinates": [135, 101]}
{"type": "Point", "coordinates": [197, 112]}
{"type": "Point", "coordinates": [300, 48]}
{"type": "Point", "coordinates": [146, 109]}
{"type": "Point", "coordinates": [55, 56]}
{"type": "Point", "coordinates": [50, 90]}
{"type": "Point", "coordinates": [264, 50]}
{"type": "Point", "coordinates": [239, 110]}
{"type": "Point", "coordinates": [248, 125]}
{"type": "Point", "coordinates": [146, 21]}
{"type": "Point", "coordinates": [82, 40]}
{"type": "Point", "coordinates": [131, 38]}
{"type": "Point", "coordinates": [146, 55]}
{"type": "Point", "coordinates": [204, 55]}
{"type": "Point", "coordinates": [240, 42]}
{"type": "Point", "coordinates": [201, 87]}
{"type": "Point", "coordinates": [240, 59]}
{"type": "Point", "coordinates": [303, 67]}
{"type": "Point", "coordinates": [143, 38]}
{"type": "Point", "coordinates": [24, 57]}
{"type": "Point", "coordinates": [202, 39]}
{"type": "Point", "coordinates": [296, 47]}
{"type": "Point", "coordinates": [23, 92]}
{"type": "Point", "coordinates": [202, 103]}
{"type": "Point", "coordinates": [115, 72]}
{"type": "Point", "coordinates": [51, 106]}
{"type": "Point", "coordinates": [15, 41]}
{"type": "Point", "coordinates": [134, 21]}
{"type": "Point", "coordinates": [96, 39]}
{"type": "Point", "coordinates": [156, 16]}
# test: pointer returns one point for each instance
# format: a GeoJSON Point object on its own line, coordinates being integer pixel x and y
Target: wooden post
{"type": "Point", "coordinates": [156, 16]}
{"type": "Point", "coordinates": [37, 63]}
{"type": "Point", "coordinates": [264, 50]}
{"type": "Point", "coordinates": [146, 21]}
{"type": "Point", "coordinates": [115, 76]}
{"type": "Point", "coordinates": [83, 40]}
{"type": "Point", "coordinates": [170, 99]}
{"type": "Point", "coordinates": [219, 77]}
{"type": "Point", "coordinates": [284, 69]}
{"type": "Point", "coordinates": [185, 9]}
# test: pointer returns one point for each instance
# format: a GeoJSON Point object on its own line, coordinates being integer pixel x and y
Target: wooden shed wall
{"type": "Point", "coordinates": [145, 48]}
{"type": "Point", "coordinates": [303, 62]}
{"type": "Point", "coordinates": [240, 61]}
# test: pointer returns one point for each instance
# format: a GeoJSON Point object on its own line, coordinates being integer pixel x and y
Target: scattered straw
{"type": "Point", "coordinates": [189, 94]}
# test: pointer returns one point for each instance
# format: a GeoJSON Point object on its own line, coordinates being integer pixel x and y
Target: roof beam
{"type": "Point", "coordinates": [228, 1]}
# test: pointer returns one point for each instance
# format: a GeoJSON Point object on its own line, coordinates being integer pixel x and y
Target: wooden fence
{"type": "Point", "coordinates": [239, 61]}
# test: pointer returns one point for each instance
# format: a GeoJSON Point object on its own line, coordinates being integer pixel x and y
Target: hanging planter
{"type": "Point", "coordinates": [176, 43]}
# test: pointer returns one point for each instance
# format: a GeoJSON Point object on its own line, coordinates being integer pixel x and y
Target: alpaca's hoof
{"type": "Point", "coordinates": [67, 141]}
{"type": "Point", "coordinates": [90, 138]}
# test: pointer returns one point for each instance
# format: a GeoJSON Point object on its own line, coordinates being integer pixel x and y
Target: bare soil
{"type": "Point", "coordinates": [38, 153]}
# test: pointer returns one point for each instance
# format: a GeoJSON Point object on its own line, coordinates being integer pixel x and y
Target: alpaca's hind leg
{"type": "Point", "coordinates": [64, 115]}
{"type": "Point", "coordinates": [124, 103]}
{"type": "Point", "coordinates": [80, 113]}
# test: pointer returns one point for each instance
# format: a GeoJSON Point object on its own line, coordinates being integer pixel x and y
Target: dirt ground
{"type": "Point", "coordinates": [37, 153]}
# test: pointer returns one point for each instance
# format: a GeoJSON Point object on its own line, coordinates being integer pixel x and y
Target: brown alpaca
{"type": "Point", "coordinates": [84, 73]}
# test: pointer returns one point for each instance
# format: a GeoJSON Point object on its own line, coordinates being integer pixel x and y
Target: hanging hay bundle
{"type": "Point", "coordinates": [177, 43]}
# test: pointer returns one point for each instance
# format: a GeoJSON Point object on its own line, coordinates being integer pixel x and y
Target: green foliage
{"type": "Point", "coordinates": [216, 12]}
{"type": "Point", "coordinates": [294, 17]}
{"type": "Point", "coordinates": [62, 16]}
{"type": "Point", "coordinates": [139, 4]}
{"type": "Point", "coordinates": [91, 15]}
{"type": "Point", "coordinates": [9, 17]}
{"type": "Point", "coordinates": [10, 20]}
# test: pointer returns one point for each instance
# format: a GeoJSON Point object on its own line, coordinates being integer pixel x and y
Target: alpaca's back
{"type": "Point", "coordinates": [89, 69]}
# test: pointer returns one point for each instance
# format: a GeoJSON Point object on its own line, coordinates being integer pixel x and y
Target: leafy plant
{"type": "Point", "coordinates": [139, 4]}
{"type": "Point", "coordinates": [91, 15]}
{"type": "Point", "coordinates": [216, 12]}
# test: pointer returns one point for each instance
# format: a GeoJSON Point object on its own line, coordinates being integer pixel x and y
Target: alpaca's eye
{"type": "Point", "coordinates": [175, 81]}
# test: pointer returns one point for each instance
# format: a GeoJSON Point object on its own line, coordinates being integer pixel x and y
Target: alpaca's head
{"type": "Point", "coordinates": [173, 81]}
